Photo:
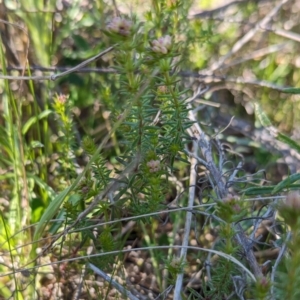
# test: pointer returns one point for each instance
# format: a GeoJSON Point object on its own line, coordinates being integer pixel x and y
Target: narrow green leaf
{"type": "Point", "coordinates": [56, 225]}
{"type": "Point", "coordinates": [261, 190]}
{"type": "Point", "coordinates": [34, 119]}
{"type": "Point", "coordinates": [287, 140]}
{"type": "Point", "coordinates": [49, 213]}
{"type": "Point", "coordinates": [279, 136]}
{"type": "Point", "coordinates": [42, 184]}
{"type": "Point", "coordinates": [286, 183]}
{"type": "Point", "coordinates": [291, 90]}
{"type": "Point", "coordinates": [266, 190]}
{"type": "Point", "coordinates": [264, 120]}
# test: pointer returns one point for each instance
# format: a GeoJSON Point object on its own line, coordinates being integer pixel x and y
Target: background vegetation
{"type": "Point", "coordinates": [147, 148]}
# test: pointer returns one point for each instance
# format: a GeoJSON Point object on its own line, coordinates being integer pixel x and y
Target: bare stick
{"type": "Point", "coordinates": [54, 77]}
{"type": "Point", "coordinates": [221, 9]}
{"type": "Point", "coordinates": [188, 221]}
{"type": "Point", "coordinates": [274, 268]}
{"type": "Point", "coordinates": [115, 284]}
{"type": "Point", "coordinates": [240, 80]}
{"type": "Point", "coordinates": [116, 252]}
{"type": "Point", "coordinates": [245, 39]}
{"type": "Point", "coordinates": [256, 54]}
{"type": "Point", "coordinates": [221, 190]}
{"type": "Point", "coordinates": [86, 62]}
{"type": "Point", "coordinates": [287, 34]}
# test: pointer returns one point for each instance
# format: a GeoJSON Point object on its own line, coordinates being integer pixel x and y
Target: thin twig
{"type": "Point", "coordinates": [247, 250]}
{"type": "Point", "coordinates": [221, 190]}
{"type": "Point", "coordinates": [252, 55]}
{"type": "Point", "coordinates": [53, 77]}
{"type": "Point", "coordinates": [221, 9]}
{"type": "Point", "coordinates": [77, 294]}
{"type": "Point", "coordinates": [274, 268]}
{"type": "Point", "coordinates": [117, 252]}
{"type": "Point", "coordinates": [267, 215]}
{"type": "Point", "coordinates": [284, 33]}
{"type": "Point", "coordinates": [256, 54]}
{"type": "Point", "coordinates": [204, 146]}
{"type": "Point", "coordinates": [188, 221]}
{"type": "Point", "coordinates": [61, 69]}
{"type": "Point", "coordinates": [115, 284]}
{"type": "Point", "coordinates": [205, 78]}
{"type": "Point", "coordinates": [245, 39]}
{"type": "Point", "coordinates": [232, 176]}
{"type": "Point", "coordinates": [165, 293]}
{"type": "Point", "coordinates": [223, 129]}
{"type": "Point", "coordinates": [241, 80]}
{"type": "Point", "coordinates": [171, 210]}
{"type": "Point", "coordinates": [84, 63]}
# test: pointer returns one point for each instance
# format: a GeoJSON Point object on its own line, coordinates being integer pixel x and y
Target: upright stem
{"type": "Point", "coordinates": [188, 221]}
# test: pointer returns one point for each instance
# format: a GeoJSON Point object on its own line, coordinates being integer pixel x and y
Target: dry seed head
{"type": "Point", "coordinates": [162, 89]}
{"type": "Point", "coordinates": [162, 45]}
{"type": "Point", "coordinates": [153, 165]}
{"type": "Point", "coordinates": [176, 262]}
{"type": "Point", "coordinates": [120, 26]}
